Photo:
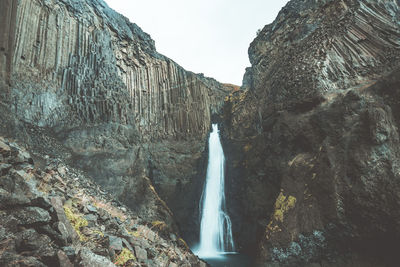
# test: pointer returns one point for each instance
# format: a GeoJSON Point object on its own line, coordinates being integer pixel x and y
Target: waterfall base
{"type": "Point", "coordinates": [229, 260]}
{"type": "Point", "coordinates": [212, 254]}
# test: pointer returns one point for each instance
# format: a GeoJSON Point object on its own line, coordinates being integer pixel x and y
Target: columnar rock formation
{"type": "Point", "coordinates": [313, 137]}
{"type": "Point", "coordinates": [80, 62]}
{"type": "Point", "coordinates": [132, 119]}
{"type": "Point", "coordinates": [311, 140]}
{"type": "Point", "coordinates": [7, 12]}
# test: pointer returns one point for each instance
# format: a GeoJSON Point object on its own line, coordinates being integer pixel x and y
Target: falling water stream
{"type": "Point", "coordinates": [215, 228]}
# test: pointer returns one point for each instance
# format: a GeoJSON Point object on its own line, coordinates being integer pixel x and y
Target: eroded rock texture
{"type": "Point", "coordinates": [312, 141]}
{"type": "Point", "coordinates": [81, 83]}
{"type": "Point", "coordinates": [7, 12]}
{"type": "Point", "coordinates": [78, 61]}
{"type": "Point", "coordinates": [52, 215]}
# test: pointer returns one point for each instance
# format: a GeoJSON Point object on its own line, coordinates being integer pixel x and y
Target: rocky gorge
{"type": "Point", "coordinates": [312, 139]}
{"type": "Point", "coordinates": [116, 107]}
{"type": "Point", "coordinates": [104, 140]}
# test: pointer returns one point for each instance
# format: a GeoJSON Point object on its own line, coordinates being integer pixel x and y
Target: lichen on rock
{"type": "Point", "coordinates": [282, 205]}
{"type": "Point", "coordinates": [77, 221]}
{"type": "Point", "coordinates": [125, 256]}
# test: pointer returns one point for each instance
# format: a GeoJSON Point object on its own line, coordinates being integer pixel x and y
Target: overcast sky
{"type": "Point", "coordinates": [203, 36]}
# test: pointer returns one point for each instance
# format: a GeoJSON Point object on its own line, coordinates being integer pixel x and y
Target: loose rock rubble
{"type": "Point", "coordinates": [54, 216]}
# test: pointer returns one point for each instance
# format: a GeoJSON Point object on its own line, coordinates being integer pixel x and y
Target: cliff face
{"type": "Point", "coordinates": [78, 62]}
{"type": "Point", "coordinates": [8, 9]}
{"type": "Point", "coordinates": [348, 42]}
{"type": "Point", "coordinates": [81, 83]}
{"type": "Point", "coordinates": [312, 140]}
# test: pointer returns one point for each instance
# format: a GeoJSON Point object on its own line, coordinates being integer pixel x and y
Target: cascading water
{"type": "Point", "coordinates": [215, 228]}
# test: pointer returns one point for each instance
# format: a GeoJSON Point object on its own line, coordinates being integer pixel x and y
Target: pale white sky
{"type": "Point", "coordinates": [203, 36]}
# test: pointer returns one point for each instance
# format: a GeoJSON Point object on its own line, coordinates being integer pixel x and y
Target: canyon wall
{"type": "Point", "coordinates": [7, 12]}
{"type": "Point", "coordinates": [312, 139]}
{"type": "Point", "coordinates": [81, 83]}
{"type": "Point", "coordinates": [80, 62]}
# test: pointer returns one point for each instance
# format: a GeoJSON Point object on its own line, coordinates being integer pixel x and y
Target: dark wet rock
{"type": "Point", "coordinates": [15, 260]}
{"type": "Point", "coordinates": [31, 242]}
{"type": "Point", "coordinates": [4, 168]}
{"type": "Point", "coordinates": [42, 202]}
{"type": "Point", "coordinates": [8, 199]}
{"type": "Point", "coordinates": [313, 146]}
{"type": "Point", "coordinates": [31, 215]}
{"type": "Point", "coordinates": [5, 149]}
{"type": "Point", "coordinates": [70, 252]}
{"type": "Point", "coordinates": [58, 238]}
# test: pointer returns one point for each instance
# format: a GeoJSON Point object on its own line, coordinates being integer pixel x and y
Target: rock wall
{"type": "Point", "coordinates": [8, 10]}
{"type": "Point", "coordinates": [348, 42]}
{"type": "Point", "coordinates": [312, 137]}
{"type": "Point", "coordinates": [80, 62]}
{"type": "Point", "coordinates": [83, 84]}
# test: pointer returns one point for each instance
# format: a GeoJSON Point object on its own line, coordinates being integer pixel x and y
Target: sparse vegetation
{"type": "Point", "coordinates": [247, 147]}
{"type": "Point", "coordinates": [183, 243]}
{"type": "Point", "coordinates": [236, 98]}
{"type": "Point", "coordinates": [99, 233]}
{"type": "Point", "coordinates": [282, 205]}
{"type": "Point", "coordinates": [113, 211]}
{"type": "Point", "coordinates": [77, 222]}
{"type": "Point", "coordinates": [123, 258]}
{"type": "Point", "coordinates": [159, 225]}
{"type": "Point", "coordinates": [135, 234]}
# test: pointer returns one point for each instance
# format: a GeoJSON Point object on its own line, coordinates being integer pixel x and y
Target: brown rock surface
{"type": "Point", "coordinates": [49, 228]}
{"type": "Point", "coordinates": [94, 66]}
{"type": "Point", "coordinates": [312, 140]}
{"type": "Point", "coordinates": [85, 85]}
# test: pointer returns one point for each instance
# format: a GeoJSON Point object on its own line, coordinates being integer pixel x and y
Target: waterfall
{"type": "Point", "coordinates": [215, 228]}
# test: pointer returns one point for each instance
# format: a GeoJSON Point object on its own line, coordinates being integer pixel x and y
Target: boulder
{"type": "Point", "coordinates": [63, 259]}
{"type": "Point", "coordinates": [64, 226]}
{"type": "Point", "coordinates": [32, 215]}
{"type": "Point", "coordinates": [91, 208]}
{"type": "Point", "coordinates": [4, 167]}
{"type": "Point", "coordinates": [23, 157]}
{"type": "Point", "coordinates": [89, 259]}
{"type": "Point", "coordinates": [71, 252]}
{"type": "Point", "coordinates": [115, 243]}
{"type": "Point", "coordinates": [32, 243]}
{"type": "Point", "coordinates": [4, 149]}
{"type": "Point", "coordinates": [141, 253]}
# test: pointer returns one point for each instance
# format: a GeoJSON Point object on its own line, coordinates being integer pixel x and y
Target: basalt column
{"type": "Point", "coordinates": [8, 10]}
